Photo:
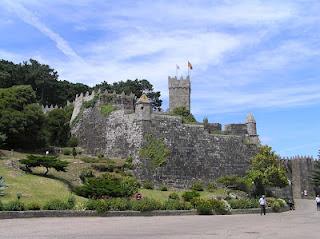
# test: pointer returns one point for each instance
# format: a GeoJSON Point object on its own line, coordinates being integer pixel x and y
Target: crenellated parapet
{"type": "Point", "coordinates": [48, 108]}
{"type": "Point", "coordinates": [120, 101]}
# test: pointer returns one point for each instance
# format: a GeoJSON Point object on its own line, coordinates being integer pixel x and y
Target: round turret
{"type": "Point", "coordinates": [250, 118]}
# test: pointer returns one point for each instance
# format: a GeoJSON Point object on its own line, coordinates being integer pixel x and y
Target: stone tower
{"type": "Point", "coordinates": [143, 109]}
{"type": "Point", "coordinates": [252, 129]}
{"type": "Point", "coordinates": [179, 92]}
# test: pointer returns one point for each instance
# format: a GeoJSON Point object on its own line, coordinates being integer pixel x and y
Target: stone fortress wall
{"type": "Point", "coordinates": [197, 151]}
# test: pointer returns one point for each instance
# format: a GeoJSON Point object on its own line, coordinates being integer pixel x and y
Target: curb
{"type": "Point", "coordinates": [89, 213]}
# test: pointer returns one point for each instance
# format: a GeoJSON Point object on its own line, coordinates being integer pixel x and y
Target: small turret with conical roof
{"type": "Point", "coordinates": [252, 129]}
{"type": "Point", "coordinates": [143, 109]}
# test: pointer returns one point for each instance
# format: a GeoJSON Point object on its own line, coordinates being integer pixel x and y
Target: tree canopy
{"type": "Point", "coordinates": [47, 162]}
{"type": "Point", "coordinates": [267, 170]}
{"type": "Point", "coordinates": [187, 117]}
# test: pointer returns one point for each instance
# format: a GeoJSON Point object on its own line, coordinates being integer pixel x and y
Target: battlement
{"type": "Point", "coordinates": [48, 108]}
{"type": "Point", "coordinates": [174, 82]}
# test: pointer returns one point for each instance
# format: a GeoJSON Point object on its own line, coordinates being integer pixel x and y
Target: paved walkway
{"type": "Point", "coordinates": [303, 223]}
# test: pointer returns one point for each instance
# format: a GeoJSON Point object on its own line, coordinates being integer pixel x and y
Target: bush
{"type": "Point", "coordinates": [104, 167]}
{"type": "Point", "coordinates": [85, 174]}
{"type": "Point", "coordinates": [197, 186]}
{"type": "Point", "coordinates": [188, 196]}
{"type": "Point", "coordinates": [92, 204]}
{"type": "Point", "coordinates": [243, 203]}
{"type": "Point", "coordinates": [176, 205]}
{"type": "Point", "coordinates": [1, 206]}
{"type": "Point", "coordinates": [67, 151]}
{"type": "Point", "coordinates": [277, 204]}
{"type": "Point", "coordinates": [145, 204]}
{"type": "Point", "coordinates": [58, 204]}
{"type": "Point", "coordinates": [211, 187]}
{"type": "Point", "coordinates": [234, 182]}
{"type": "Point", "coordinates": [174, 196]}
{"type": "Point", "coordinates": [14, 206]}
{"type": "Point", "coordinates": [148, 185]}
{"type": "Point", "coordinates": [107, 109]}
{"type": "Point", "coordinates": [108, 185]}
{"type": "Point", "coordinates": [163, 188]}
{"type": "Point", "coordinates": [210, 206]}
{"type": "Point", "coordinates": [118, 204]}
{"type": "Point", "coordinates": [72, 142]}
{"type": "Point", "coordinates": [204, 207]}
{"type": "Point", "coordinates": [35, 206]}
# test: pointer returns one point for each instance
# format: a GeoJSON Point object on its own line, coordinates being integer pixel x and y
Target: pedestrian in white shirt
{"type": "Point", "coordinates": [263, 204]}
{"type": "Point", "coordinates": [318, 202]}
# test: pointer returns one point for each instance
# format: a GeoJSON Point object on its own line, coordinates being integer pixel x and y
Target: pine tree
{"type": "Point", "coordinates": [316, 172]}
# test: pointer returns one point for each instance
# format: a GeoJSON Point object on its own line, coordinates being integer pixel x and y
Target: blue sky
{"type": "Point", "coordinates": [248, 56]}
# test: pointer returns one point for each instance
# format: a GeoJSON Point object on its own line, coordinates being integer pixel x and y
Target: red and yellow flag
{"type": "Point", "coordinates": [189, 65]}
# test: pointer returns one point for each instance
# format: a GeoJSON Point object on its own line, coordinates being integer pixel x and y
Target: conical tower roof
{"type": "Point", "coordinates": [250, 118]}
{"type": "Point", "coordinates": [144, 99]}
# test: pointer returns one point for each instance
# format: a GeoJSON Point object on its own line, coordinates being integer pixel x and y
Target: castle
{"type": "Point", "coordinates": [200, 151]}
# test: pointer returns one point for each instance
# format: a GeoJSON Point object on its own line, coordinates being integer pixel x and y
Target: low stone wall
{"type": "Point", "coordinates": [88, 213]}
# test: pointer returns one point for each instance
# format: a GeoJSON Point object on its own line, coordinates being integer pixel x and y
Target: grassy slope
{"type": "Point", "coordinates": [41, 189]}
{"type": "Point", "coordinates": [33, 188]}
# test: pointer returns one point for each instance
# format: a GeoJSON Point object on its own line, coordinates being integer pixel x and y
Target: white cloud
{"type": "Point", "coordinates": [30, 18]}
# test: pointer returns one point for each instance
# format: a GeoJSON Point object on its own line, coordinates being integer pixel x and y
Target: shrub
{"type": "Point", "coordinates": [276, 206]}
{"type": "Point", "coordinates": [189, 195]}
{"type": "Point", "coordinates": [35, 206]}
{"type": "Point", "coordinates": [72, 142]}
{"type": "Point", "coordinates": [107, 109]}
{"type": "Point", "coordinates": [204, 207]}
{"type": "Point", "coordinates": [1, 206]}
{"type": "Point", "coordinates": [197, 186]}
{"type": "Point", "coordinates": [174, 196]}
{"type": "Point", "coordinates": [67, 151]}
{"type": "Point", "coordinates": [148, 185]}
{"type": "Point", "coordinates": [108, 185]}
{"type": "Point", "coordinates": [243, 203]}
{"type": "Point", "coordinates": [145, 204]}
{"type": "Point", "coordinates": [210, 206]}
{"type": "Point", "coordinates": [118, 204]}
{"type": "Point", "coordinates": [104, 167]}
{"type": "Point", "coordinates": [176, 205]}
{"type": "Point", "coordinates": [163, 188]}
{"type": "Point", "coordinates": [234, 182]}
{"type": "Point", "coordinates": [58, 204]}
{"type": "Point", "coordinates": [102, 206]}
{"type": "Point", "coordinates": [92, 204]}
{"type": "Point", "coordinates": [128, 164]}
{"type": "Point", "coordinates": [85, 174]}
{"type": "Point", "coordinates": [15, 205]}
{"type": "Point", "coordinates": [211, 187]}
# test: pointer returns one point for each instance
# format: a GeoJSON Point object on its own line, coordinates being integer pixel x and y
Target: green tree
{"type": "Point", "coordinates": [137, 87]}
{"type": "Point", "coordinates": [21, 119]}
{"type": "Point", "coordinates": [47, 162]}
{"type": "Point", "coordinates": [187, 117]}
{"type": "Point", "coordinates": [3, 138]}
{"type": "Point", "coordinates": [266, 170]}
{"type": "Point", "coordinates": [43, 80]}
{"type": "Point", "coordinates": [58, 127]}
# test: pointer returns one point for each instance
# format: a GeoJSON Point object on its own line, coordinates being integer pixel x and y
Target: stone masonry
{"type": "Point", "coordinates": [197, 151]}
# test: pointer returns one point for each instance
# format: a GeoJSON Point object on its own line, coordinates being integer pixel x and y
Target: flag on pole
{"type": "Point", "coordinates": [178, 67]}
{"type": "Point", "coordinates": [189, 65]}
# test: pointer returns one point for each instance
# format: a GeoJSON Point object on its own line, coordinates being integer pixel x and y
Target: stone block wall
{"type": "Point", "coordinates": [195, 154]}
{"type": "Point", "coordinates": [179, 93]}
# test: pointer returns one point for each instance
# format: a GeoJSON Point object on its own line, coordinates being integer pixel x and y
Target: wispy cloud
{"type": "Point", "coordinates": [30, 18]}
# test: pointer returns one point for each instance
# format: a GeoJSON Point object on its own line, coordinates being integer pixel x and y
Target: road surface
{"type": "Point", "coordinates": [303, 223]}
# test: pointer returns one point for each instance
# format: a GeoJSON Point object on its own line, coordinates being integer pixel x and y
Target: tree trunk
{"type": "Point", "coordinates": [47, 170]}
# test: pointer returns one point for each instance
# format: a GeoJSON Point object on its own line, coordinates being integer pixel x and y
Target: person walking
{"type": "Point", "coordinates": [263, 204]}
{"type": "Point", "coordinates": [318, 202]}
